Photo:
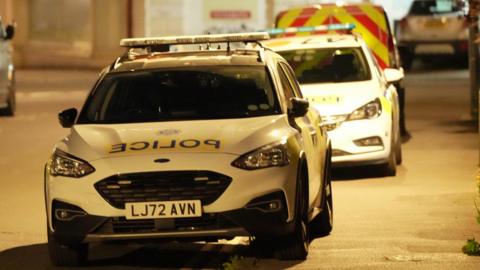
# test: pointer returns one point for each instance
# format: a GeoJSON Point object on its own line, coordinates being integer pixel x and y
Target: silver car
{"type": "Point", "coordinates": [433, 27]}
{"type": "Point", "coordinates": [7, 71]}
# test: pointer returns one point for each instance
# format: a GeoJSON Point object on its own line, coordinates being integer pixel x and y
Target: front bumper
{"type": "Point", "coordinates": [249, 220]}
{"type": "Point", "coordinates": [347, 153]}
{"type": "Point", "coordinates": [232, 213]}
{"type": "Point", "coordinates": [436, 47]}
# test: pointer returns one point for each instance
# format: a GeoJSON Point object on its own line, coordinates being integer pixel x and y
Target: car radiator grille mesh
{"type": "Point", "coordinates": [205, 186]}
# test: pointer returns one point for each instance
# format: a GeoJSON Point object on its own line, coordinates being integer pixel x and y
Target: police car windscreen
{"type": "Point", "coordinates": [328, 65]}
{"type": "Point", "coordinates": [210, 92]}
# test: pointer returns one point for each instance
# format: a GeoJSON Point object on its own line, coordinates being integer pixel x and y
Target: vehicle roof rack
{"type": "Point", "coordinates": [159, 43]}
{"type": "Point", "coordinates": [347, 27]}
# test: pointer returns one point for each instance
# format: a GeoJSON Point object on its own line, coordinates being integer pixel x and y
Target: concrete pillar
{"type": "Point", "coordinates": [109, 26]}
{"type": "Point", "coordinates": [138, 18]}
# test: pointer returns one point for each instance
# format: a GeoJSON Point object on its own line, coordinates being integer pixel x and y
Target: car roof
{"type": "Point", "coordinates": [313, 41]}
{"type": "Point", "coordinates": [188, 58]}
{"type": "Point", "coordinates": [190, 51]}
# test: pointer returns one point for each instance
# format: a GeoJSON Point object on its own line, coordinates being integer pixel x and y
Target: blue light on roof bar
{"type": "Point", "coordinates": [306, 29]}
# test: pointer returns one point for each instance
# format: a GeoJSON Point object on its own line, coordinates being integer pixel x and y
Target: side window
{"type": "Point", "coordinates": [292, 79]}
{"type": "Point", "coordinates": [376, 68]}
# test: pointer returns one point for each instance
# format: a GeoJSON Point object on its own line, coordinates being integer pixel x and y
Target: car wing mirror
{"type": "Point", "coordinates": [393, 75]}
{"type": "Point", "coordinates": [67, 117]}
{"type": "Point", "coordinates": [299, 107]}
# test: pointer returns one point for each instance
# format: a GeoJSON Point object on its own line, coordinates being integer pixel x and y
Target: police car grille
{"type": "Point", "coordinates": [122, 225]}
{"type": "Point", "coordinates": [205, 186]}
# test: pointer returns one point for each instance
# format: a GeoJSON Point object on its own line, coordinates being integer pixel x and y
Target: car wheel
{"type": "Point", "coordinates": [390, 168]}
{"type": "Point", "coordinates": [322, 224]}
{"type": "Point", "coordinates": [10, 110]}
{"type": "Point", "coordinates": [407, 57]}
{"type": "Point", "coordinates": [66, 255]}
{"type": "Point", "coordinates": [295, 246]}
{"type": "Point", "coordinates": [398, 151]}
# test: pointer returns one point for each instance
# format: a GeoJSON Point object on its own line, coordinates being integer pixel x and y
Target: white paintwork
{"type": "Point", "coordinates": [98, 145]}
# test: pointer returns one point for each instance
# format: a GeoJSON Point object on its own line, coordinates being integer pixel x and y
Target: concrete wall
{"type": "Point", "coordinates": [68, 34]}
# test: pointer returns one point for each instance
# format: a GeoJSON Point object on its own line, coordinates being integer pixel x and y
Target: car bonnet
{"type": "Point", "coordinates": [340, 98]}
{"type": "Point", "coordinates": [228, 136]}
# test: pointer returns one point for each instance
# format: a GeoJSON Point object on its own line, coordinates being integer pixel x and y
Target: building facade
{"type": "Point", "coordinates": [86, 33]}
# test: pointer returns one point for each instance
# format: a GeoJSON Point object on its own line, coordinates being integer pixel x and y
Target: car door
{"type": "Point", "coordinates": [309, 126]}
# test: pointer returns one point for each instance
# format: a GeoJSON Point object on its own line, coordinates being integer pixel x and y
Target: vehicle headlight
{"type": "Point", "coordinates": [64, 164]}
{"type": "Point", "coordinates": [271, 155]}
{"type": "Point", "coordinates": [368, 111]}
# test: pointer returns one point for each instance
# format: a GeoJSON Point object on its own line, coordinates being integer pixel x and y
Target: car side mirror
{"type": "Point", "coordinates": [393, 75]}
{"type": "Point", "coordinates": [299, 107]}
{"type": "Point", "coordinates": [67, 117]}
{"type": "Point", "coordinates": [9, 31]}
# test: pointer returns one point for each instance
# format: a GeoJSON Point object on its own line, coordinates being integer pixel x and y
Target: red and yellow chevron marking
{"type": "Point", "coordinates": [369, 20]}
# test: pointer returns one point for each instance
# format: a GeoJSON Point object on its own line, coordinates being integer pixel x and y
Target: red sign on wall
{"type": "Point", "coordinates": [230, 14]}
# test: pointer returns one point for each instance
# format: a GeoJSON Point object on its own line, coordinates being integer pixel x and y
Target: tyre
{"type": "Point", "coordinates": [295, 246]}
{"type": "Point", "coordinates": [390, 168]}
{"type": "Point", "coordinates": [10, 110]}
{"type": "Point", "coordinates": [398, 151]}
{"type": "Point", "coordinates": [322, 224]}
{"type": "Point", "coordinates": [406, 56]}
{"type": "Point", "coordinates": [66, 255]}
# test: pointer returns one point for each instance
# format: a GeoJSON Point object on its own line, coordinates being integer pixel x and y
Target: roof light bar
{"type": "Point", "coordinates": [305, 29]}
{"type": "Point", "coordinates": [198, 39]}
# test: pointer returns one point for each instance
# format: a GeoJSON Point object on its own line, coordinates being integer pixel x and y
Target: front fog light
{"type": "Point", "coordinates": [67, 214]}
{"type": "Point", "coordinates": [339, 153]}
{"type": "Point", "coordinates": [370, 141]}
{"type": "Point", "coordinates": [270, 206]}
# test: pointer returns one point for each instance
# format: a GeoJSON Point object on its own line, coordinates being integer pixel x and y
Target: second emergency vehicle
{"type": "Point", "coordinates": [371, 23]}
{"type": "Point", "coordinates": [356, 99]}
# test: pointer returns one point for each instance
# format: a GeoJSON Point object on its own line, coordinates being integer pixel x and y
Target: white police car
{"type": "Point", "coordinates": [357, 101]}
{"type": "Point", "coordinates": [206, 144]}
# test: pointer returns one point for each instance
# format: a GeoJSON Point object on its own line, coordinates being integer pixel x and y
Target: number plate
{"type": "Point", "coordinates": [167, 209]}
{"type": "Point", "coordinates": [434, 24]}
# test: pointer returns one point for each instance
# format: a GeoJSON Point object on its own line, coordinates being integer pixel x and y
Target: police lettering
{"type": "Point", "coordinates": [117, 148]}
{"type": "Point", "coordinates": [139, 145]}
{"type": "Point", "coordinates": [159, 145]}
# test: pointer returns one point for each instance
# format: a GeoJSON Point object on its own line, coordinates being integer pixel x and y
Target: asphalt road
{"type": "Point", "coordinates": [419, 219]}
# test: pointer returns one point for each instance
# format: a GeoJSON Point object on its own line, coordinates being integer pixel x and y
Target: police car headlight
{"type": "Point", "coordinates": [64, 164]}
{"type": "Point", "coordinates": [368, 111]}
{"type": "Point", "coordinates": [271, 155]}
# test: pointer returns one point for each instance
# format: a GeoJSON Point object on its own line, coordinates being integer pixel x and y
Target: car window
{"type": "Point", "coordinates": [286, 86]}
{"type": "Point", "coordinates": [429, 7]}
{"type": "Point", "coordinates": [212, 92]}
{"type": "Point", "coordinates": [376, 67]}
{"type": "Point", "coordinates": [328, 65]}
{"type": "Point", "coordinates": [292, 79]}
